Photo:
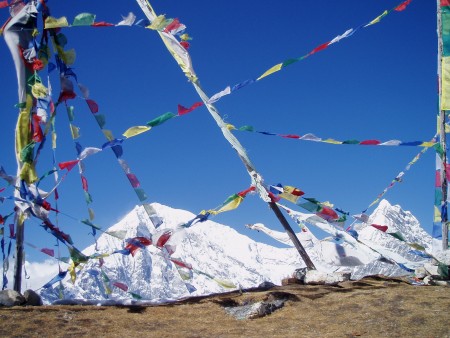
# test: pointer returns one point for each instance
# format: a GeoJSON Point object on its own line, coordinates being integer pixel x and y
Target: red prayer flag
{"type": "Point", "coordinates": [403, 5]}
{"type": "Point", "coordinates": [66, 95]}
{"type": "Point", "coordinates": [133, 180]}
{"type": "Point", "coordinates": [290, 136]}
{"type": "Point", "coordinates": [163, 239]}
{"type": "Point", "coordinates": [245, 192]}
{"type": "Point", "coordinates": [84, 183]}
{"type": "Point", "coordinates": [37, 131]}
{"type": "Point", "coordinates": [380, 227]}
{"type": "Point", "coordinates": [319, 48]}
{"type": "Point", "coordinates": [121, 286]}
{"type": "Point", "coordinates": [370, 142]}
{"type": "Point", "coordinates": [49, 252]}
{"type": "Point", "coordinates": [183, 110]}
{"type": "Point", "coordinates": [182, 264]}
{"type": "Point", "coordinates": [173, 25]}
{"type": "Point", "coordinates": [68, 165]}
{"type": "Point", "coordinates": [327, 214]}
{"type": "Point", "coordinates": [2, 220]}
{"type": "Point", "coordinates": [4, 4]}
{"type": "Point", "coordinates": [93, 106]}
{"type": "Point", "coordinates": [444, 3]}
{"type": "Point", "coordinates": [102, 24]}
{"type": "Point", "coordinates": [185, 44]}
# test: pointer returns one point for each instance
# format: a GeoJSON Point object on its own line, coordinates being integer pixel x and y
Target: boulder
{"type": "Point", "coordinates": [431, 269]}
{"type": "Point", "coordinates": [32, 298]}
{"type": "Point", "coordinates": [255, 310]}
{"type": "Point", "coordinates": [322, 278]}
{"type": "Point", "coordinates": [11, 298]}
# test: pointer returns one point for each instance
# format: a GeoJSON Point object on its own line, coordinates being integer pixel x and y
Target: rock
{"type": "Point", "coordinates": [300, 273]}
{"type": "Point", "coordinates": [323, 278]}
{"type": "Point", "coordinates": [420, 272]}
{"type": "Point", "coordinates": [255, 310]}
{"type": "Point", "coordinates": [290, 281]}
{"type": "Point", "coordinates": [442, 282]}
{"type": "Point", "coordinates": [431, 269]}
{"type": "Point", "coordinates": [428, 280]}
{"type": "Point", "coordinates": [266, 285]}
{"type": "Point", "coordinates": [32, 298]}
{"type": "Point", "coordinates": [11, 298]}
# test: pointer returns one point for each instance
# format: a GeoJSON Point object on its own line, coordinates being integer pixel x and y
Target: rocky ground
{"type": "Point", "coordinates": [371, 307]}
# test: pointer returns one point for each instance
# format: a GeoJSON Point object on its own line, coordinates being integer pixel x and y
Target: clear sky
{"type": "Point", "coordinates": [379, 83]}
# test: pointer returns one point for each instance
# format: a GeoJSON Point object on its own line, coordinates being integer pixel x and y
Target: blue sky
{"type": "Point", "coordinates": [379, 83]}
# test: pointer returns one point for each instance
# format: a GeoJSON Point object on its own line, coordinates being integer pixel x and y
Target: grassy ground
{"type": "Point", "coordinates": [372, 307]}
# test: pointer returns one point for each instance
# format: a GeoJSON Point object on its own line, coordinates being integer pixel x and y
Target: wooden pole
{"type": "Point", "coordinates": [20, 231]}
{"type": "Point", "coordinates": [442, 135]}
{"type": "Point", "coordinates": [301, 250]}
{"type": "Point", "coordinates": [150, 14]}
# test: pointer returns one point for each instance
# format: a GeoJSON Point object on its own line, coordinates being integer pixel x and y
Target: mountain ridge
{"type": "Point", "coordinates": [222, 259]}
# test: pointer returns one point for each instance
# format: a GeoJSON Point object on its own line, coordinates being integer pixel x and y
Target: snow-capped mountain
{"type": "Point", "coordinates": [219, 258]}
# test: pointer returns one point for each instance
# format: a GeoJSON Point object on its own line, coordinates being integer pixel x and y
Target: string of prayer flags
{"type": "Point", "coordinates": [398, 178]}
{"type": "Point", "coordinates": [114, 144]}
{"type": "Point", "coordinates": [314, 138]}
{"type": "Point", "coordinates": [322, 209]}
{"type": "Point", "coordinates": [231, 203]}
{"type": "Point", "coordinates": [349, 32]}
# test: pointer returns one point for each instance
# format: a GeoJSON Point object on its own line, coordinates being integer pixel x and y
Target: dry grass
{"type": "Point", "coordinates": [372, 307]}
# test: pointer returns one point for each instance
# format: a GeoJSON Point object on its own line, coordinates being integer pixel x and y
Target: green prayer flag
{"type": "Point", "coordinates": [70, 113]}
{"type": "Point", "coordinates": [161, 119]}
{"type": "Point", "coordinates": [141, 194]}
{"type": "Point", "coordinates": [101, 120]}
{"type": "Point", "coordinates": [84, 19]}
{"type": "Point", "coordinates": [26, 154]}
{"type": "Point", "coordinates": [87, 222]}
{"type": "Point", "coordinates": [246, 128]}
{"type": "Point", "coordinates": [445, 20]}
{"type": "Point", "coordinates": [289, 62]}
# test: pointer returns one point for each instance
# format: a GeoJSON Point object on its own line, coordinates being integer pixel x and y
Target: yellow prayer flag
{"type": "Point", "coordinates": [272, 70]}
{"type": "Point", "coordinates": [427, 144]}
{"type": "Point", "coordinates": [377, 19]}
{"type": "Point", "coordinates": [437, 215]}
{"type": "Point", "coordinates": [54, 136]}
{"type": "Point", "coordinates": [52, 22]}
{"type": "Point", "coordinates": [332, 141]}
{"type": "Point", "coordinates": [75, 131]}
{"type": "Point", "coordinates": [108, 134]}
{"type": "Point", "coordinates": [133, 131]}
{"type": "Point", "coordinates": [231, 205]}
{"type": "Point", "coordinates": [91, 214]}
{"type": "Point", "coordinates": [158, 23]}
{"type": "Point", "coordinates": [445, 83]}
{"type": "Point", "coordinates": [39, 91]}
{"type": "Point", "coordinates": [230, 127]}
{"type": "Point", "coordinates": [224, 283]}
{"type": "Point", "coordinates": [68, 57]}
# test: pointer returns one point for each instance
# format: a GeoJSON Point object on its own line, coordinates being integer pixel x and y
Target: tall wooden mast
{"type": "Point", "coordinates": [441, 123]}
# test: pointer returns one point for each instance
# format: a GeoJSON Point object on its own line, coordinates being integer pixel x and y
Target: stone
{"type": "Point", "coordinates": [442, 282]}
{"type": "Point", "coordinates": [255, 310]}
{"type": "Point", "coordinates": [428, 280]}
{"type": "Point", "coordinates": [32, 298]}
{"type": "Point", "coordinates": [322, 278]}
{"type": "Point", "coordinates": [431, 269]}
{"type": "Point", "coordinates": [11, 298]}
{"type": "Point", "coordinates": [420, 272]}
